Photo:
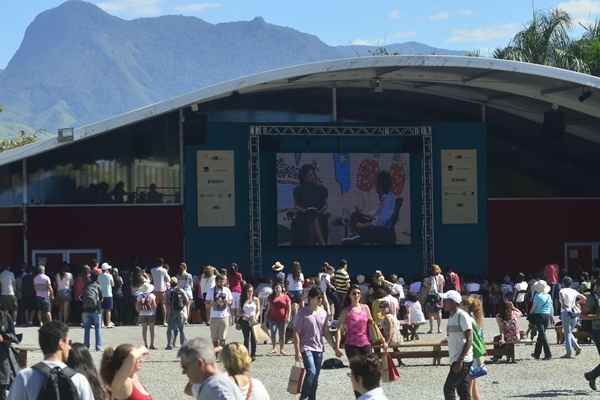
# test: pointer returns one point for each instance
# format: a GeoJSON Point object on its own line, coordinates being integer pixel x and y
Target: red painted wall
{"type": "Point", "coordinates": [525, 235]}
{"type": "Point", "coordinates": [122, 233]}
{"type": "Point", "coordinates": [11, 246]}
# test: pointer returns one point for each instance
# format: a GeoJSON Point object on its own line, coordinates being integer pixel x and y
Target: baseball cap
{"type": "Point", "coordinates": [452, 295]}
{"type": "Point", "coordinates": [106, 266]}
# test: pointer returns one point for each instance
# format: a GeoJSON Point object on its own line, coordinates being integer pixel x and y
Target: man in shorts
{"type": "Point", "coordinates": [44, 294]}
{"type": "Point", "coordinates": [160, 279]}
{"type": "Point", "coordinates": [220, 300]}
{"type": "Point", "coordinates": [106, 282]}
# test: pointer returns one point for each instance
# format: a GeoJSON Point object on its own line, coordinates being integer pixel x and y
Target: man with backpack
{"type": "Point", "coordinates": [52, 376]}
{"type": "Point", "coordinates": [177, 300]}
{"type": "Point", "coordinates": [91, 306]}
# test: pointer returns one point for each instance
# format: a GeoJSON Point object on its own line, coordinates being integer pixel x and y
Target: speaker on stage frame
{"type": "Point", "coordinates": [554, 124]}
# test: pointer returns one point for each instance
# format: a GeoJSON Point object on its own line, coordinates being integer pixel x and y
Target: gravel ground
{"type": "Point", "coordinates": [556, 379]}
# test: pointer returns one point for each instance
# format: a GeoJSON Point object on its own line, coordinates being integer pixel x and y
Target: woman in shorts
{"type": "Point", "coordinates": [434, 288]}
{"type": "Point", "coordinates": [64, 290]}
{"type": "Point", "coordinates": [145, 305]}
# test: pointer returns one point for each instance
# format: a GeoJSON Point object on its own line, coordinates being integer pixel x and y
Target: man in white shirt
{"type": "Point", "coordinates": [54, 342]}
{"type": "Point", "coordinates": [8, 298]}
{"type": "Point", "coordinates": [460, 347]}
{"type": "Point", "coordinates": [365, 374]}
{"type": "Point", "coordinates": [107, 282]}
{"type": "Point", "coordinates": [219, 298]}
{"type": "Point", "coordinates": [160, 279]}
{"type": "Point", "coordinates": [569, 313]}
{"type": "Point", "coordinates": [44, 294]}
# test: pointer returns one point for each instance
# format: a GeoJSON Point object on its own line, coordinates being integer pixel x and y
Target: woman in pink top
{"type": "Point", "coordinates": [354, 321]}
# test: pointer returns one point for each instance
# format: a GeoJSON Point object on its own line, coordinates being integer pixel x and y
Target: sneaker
{"type": "Point", "coordinates": [152, 348]}
{"type": "Point", "coordinates": [578, 351]}
{"type": "Point", "coordinates": [591, 380]}
{"type": "Point", "coordinates": [168, 348]}
{"type": "Point", "coordinates": [567, 356]}
{"type": "Point", "coordinates": [534, 356]}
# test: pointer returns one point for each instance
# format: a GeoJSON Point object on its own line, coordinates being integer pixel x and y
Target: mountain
{"type": "Point", "coordinates": [98, 65]}
{"type": "Point", "coordinates": [414, 48]}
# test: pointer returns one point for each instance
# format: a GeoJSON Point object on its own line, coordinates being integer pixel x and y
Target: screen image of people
{"type": "Point", "coordinates": [343, 199]}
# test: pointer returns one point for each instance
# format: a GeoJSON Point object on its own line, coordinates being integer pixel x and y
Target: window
{"type": "Point", "coordinates": [11, 184]}
{"type": "Point", "coordinates": [135, 164]}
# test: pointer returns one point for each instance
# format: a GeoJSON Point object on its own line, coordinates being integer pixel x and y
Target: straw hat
{"type": "Point", "coordinates": [277, 267]}
{"type": "Point", "coordinates": [541, 287]}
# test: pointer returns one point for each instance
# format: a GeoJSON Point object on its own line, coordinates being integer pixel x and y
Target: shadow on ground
{"type": "Point", "coordinates": [552, 393]}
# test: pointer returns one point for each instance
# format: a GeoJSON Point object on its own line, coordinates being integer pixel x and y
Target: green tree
{"type": "Point", "coordinates": [545, 40]}
{"type": "Point", "coordinates": [588, 47]}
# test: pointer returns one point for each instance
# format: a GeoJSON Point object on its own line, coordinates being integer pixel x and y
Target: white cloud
{"type": "Point", "coordinates": [394, 14]}
{"type": "Point", "coordinates": [582, 11]}
{"type": "Point", "coordinates": [132, 8]}
{"type": "Point", "coordinates": [197, 8]}
{"type": "Point", "coordinates": [367, 42]}
{"type": "Point", "coordinates": [404, 35]}
{"type": "Point", "coordinates": [484, 34]}
{"type": "Point", "coordinates": [465, 13]}
{"type": "Point", "coordinates": [446, 15]}
{"type": "Point", "coordinates": [440, 16]}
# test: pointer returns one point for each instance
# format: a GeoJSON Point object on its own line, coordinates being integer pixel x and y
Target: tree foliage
{"type": "Point", "coordinates": [22, 139]}
{"type": "Point", "coordinates": [546, 40]}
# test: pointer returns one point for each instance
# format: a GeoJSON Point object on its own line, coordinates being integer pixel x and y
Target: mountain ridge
{"type": "Point", "coordinates": [98, 65]}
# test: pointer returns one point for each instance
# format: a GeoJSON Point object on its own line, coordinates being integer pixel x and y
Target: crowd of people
{"type": "Point", "coordinates": [363, 318]}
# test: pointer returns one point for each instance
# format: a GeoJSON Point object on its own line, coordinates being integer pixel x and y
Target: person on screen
{"type": "Point", "coordinates": [372, 226]}
{"type": "Point", "coordinates": [310, 200]}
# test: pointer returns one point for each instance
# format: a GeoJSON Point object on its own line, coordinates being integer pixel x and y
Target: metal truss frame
{"type": "Point", "coordinates": [254, 174]}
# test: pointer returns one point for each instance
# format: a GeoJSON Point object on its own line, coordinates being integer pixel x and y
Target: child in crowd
{"type": "Point", "coordinates": [415, 317]}
{"type": "Point", "coordinates": [508, 322]}
{"type": "Point", "coordinates": [390, 329]}
{"type": "Point", "coordinates": [177, 303]}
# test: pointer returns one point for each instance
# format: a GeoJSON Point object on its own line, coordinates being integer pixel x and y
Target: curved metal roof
{"type": "Point", "coordinates": [523, 89]}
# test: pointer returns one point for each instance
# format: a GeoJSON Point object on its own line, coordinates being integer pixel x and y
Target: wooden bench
{"type": "Point", "coordinates": [436, 353]}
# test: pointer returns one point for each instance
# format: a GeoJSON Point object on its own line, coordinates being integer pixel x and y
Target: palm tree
{"type": "Point", "coordinates": [588, 47]}
{"type": "Point", "coordinates": [545, 41]}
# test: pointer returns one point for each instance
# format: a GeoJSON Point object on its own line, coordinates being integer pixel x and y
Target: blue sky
{"type": "Point", "coordinates": [451, 24]}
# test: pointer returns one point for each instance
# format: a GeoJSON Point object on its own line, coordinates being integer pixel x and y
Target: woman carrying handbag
{"type": "Point", "coordinates": [250, 315]}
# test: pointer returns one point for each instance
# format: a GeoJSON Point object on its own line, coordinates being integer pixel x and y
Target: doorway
{"type": "Point", "coordinates": [581, 256]}
{"type": "Point", "coordinates": [54, 258]}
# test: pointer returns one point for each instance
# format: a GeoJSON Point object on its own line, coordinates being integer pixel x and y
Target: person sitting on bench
{"type": "Point", "coordinates": [508, 322]}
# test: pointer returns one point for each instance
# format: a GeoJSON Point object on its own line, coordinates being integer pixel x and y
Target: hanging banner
{"type": "Point", "coordinates": [459, 186]}
{"type": "Point", "coordinates": [216, 188]}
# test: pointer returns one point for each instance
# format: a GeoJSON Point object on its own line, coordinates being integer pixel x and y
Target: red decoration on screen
{"type": "Point", "coordinates": [398, 178]}
{"type": "Point", "coordinates": [366, 178]}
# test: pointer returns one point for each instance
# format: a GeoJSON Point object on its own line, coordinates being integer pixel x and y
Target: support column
{"type": "Point", "coordinates": [24, 217]}
{"type": "Point", "coordinates": [483, 113]}
{"type": "Point", "coordinates": [334, 104]}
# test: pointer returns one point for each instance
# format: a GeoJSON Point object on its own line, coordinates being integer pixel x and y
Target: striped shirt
{"type": "Point", "coordinates": [341, 281]}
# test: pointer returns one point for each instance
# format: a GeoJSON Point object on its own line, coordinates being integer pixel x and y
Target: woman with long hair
{"type": "Point", "coordinates": [81, 361]}
{"type": "Point", "coordinates": [355, 322]}
{"type": "Point", "coordinates": [295, 286]}
{"type": "Point", "coordinates": [119, 297]}
{"type": "Point", "coordinates": [278, 314]}
{"type": "Point", "coordinates": [235, 281]}
{"type": "Point", "coordinates": [249, 316]}
{"type": "Point", "coordinates": [207, 282]}
{"type": "Point", "coordinates": [64, 289]}
{"type": "Point", "coordinates": [474, 307]}
{"type": "Point", "coordinates": [433, 286]}
{"type": "Point", "coordinates": [237, 361]}
{"type": "Point", "coordinates": [185, 282]}
{"type": "Point", "coordinates": [119, 370]}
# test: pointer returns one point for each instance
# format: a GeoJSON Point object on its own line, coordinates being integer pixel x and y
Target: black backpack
{"type": "Point", "coordinates": [177, 301]}
{"type": "Point", "coordinates": [90, 298]}
{"type": "Point", "coordinates": [57, 383]}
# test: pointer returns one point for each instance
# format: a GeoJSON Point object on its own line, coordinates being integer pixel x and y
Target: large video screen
{"type": "Point", "coordinates": [343, 199]}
